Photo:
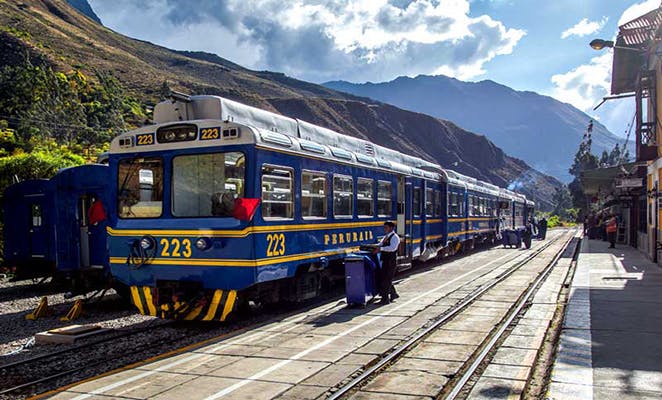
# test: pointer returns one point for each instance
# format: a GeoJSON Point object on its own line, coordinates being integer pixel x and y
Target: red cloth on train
{"type": "Point", "coordinates": [244, 208]}
{"type": "Point", "coordinates": [96, 213]}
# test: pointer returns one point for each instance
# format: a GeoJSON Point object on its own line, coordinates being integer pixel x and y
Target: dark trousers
{"type": "Point", "coordinates": [386, 275]}
{"type": "Point", "coordinates": [611, 236]}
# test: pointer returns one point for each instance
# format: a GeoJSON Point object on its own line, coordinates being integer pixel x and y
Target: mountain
{"type": "Point", "coordinates": [84, 7]}
{"type": "Point", "coordinates": [53, 33]}
{"type": "Point", "coordinates": [540, 130]}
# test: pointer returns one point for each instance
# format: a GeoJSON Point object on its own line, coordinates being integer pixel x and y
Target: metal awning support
{"type": "Point", "coordinates": [614, 97]}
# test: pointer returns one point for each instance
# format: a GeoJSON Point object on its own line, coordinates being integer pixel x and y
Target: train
{"type": "Point", "coordinates": [218, 205]}
{"type": "Point", "coordinates": [57, 228]}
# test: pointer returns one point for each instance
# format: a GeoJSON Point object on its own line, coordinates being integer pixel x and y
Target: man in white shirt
{"type": "Point", "coordinates": [388, 247]}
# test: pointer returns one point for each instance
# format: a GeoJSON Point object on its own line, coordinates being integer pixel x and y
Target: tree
{"type": "Point", "coordinates": [563, 203]}
{"type": "Point", "coordinates": [70, 107]}
{"type": "Point", "coordinates": [583, 161]}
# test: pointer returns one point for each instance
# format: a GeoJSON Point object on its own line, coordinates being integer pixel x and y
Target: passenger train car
{"type": "Point", "coordinates": [50, 230]}
{"type": "Point", "coordinates": [219, 203]}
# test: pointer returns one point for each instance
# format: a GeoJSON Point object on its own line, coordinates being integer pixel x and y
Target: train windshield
{"type": "Point", "coordinates": [206, 185]}
{"type": "Point", "coordinates": [140, 182]}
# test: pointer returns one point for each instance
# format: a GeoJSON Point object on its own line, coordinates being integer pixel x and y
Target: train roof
{"type": "Point", "coordinates": [275, 130]}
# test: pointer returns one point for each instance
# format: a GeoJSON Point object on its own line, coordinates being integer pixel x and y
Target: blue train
{"type": "Point", "coordinates": [57, 227]}
{"type": "Point", "coordinates": [219, 203]}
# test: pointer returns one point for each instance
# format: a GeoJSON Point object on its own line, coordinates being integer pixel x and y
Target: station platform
{"type": "Point", "coordinates": [611, 342]}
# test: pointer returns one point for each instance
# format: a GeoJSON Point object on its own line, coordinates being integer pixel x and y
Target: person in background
{"type": "Point", "coordinates": [534, 226]}
{"type": "Point", "coordinates": [611, 229]}
{"type": "Point", "coordinates": [592, 221]}
{"type": "Point", "coordinates": [388, 247]}
{"type": "Point", "coordinates": [585, 232]}
{"type": "Point", "coordinates": [543, 228]}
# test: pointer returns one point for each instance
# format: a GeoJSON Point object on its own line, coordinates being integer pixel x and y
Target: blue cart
{"type": "Point", "coordinates": [360, 285]}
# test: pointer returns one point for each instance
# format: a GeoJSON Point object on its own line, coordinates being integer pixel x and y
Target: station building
{"type": "Point", "coordinates": [634, 188]}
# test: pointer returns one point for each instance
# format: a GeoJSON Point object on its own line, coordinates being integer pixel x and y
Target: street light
{"type": "Point", "coordinates": [600, 44]}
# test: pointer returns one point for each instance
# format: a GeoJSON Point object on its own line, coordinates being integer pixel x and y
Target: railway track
{"type": "Point", "coordinates": [42, 373]}
{"type": "Point", "coordinates": [20, 376]}
{"type": "Point", "coordinates": [456, 387]}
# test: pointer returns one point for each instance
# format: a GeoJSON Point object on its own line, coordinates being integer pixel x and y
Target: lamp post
{"type": "Point", "coordinates": [601, 44]}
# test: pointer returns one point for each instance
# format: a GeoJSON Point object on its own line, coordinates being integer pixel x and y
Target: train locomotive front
{"type": "Point", "coordinates": [181, 235]}
{"type": "Point", "coordinates": [209, 213]}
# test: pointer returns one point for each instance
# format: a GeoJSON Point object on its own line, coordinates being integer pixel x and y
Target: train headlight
{"type": "Point", "coordinates": [202, 243]}
{"type": "Point", "coordinates": [146, 243]}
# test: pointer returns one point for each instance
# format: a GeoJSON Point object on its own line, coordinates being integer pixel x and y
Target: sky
{"type": "Point", "coordinates": [534, 45]}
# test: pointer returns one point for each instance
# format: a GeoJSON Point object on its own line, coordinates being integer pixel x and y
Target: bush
{"type": "Point", "coordinates": [41, 163]}
{"type": "Point", "coordinates": [554, 221]}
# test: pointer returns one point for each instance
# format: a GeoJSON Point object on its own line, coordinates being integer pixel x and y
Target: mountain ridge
{"type": "Point", "coordinates": [54, 33]}
{"type": "Point", "coordinates": [505, 115]}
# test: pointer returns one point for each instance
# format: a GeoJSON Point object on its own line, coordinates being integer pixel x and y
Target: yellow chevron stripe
{"type": "Point", "coordinates": [218, 293]}
{"type": "Point", "coordinates": [229, 304]}
{"type": "Point", "coordinates": [149, 300]}
{"type": "Point", "coordinates": [136, 299]}
{"type": "Point", "coordinates": [194, 313]}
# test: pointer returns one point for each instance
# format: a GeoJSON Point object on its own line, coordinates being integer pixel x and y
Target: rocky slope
{"type": "Point", "coordinates": [54, 33]}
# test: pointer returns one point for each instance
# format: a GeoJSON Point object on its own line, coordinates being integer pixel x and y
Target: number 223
{"type": "Point", "coordinates": [275, 244]}
{"type": "Point", "coordinates": [179, 248]}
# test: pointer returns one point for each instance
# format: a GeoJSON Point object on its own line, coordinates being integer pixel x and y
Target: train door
{"type": "Point", "coordinates": [38, 234]}
{"type": "Point", "coordinates": [417, 218]}
{"type": "Point", "coordinates": [84, 204]}
{"type": "Point", "coordinates": [405, 222]}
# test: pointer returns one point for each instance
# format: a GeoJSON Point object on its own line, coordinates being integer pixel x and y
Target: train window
{"type": "Point", "coordinates": [313, 194]}
{"type": "Point", "coordinates": [140, 182]}
{"type": "Point", "coordinates": [343, 196]}
{"type": "Point", "coordinates": [206, 185]}
{"type": "Point", "coordinates": [429, 202]}
{"type": "Point", "coordinates": [365, 199]}
{"type": "Point", "coordinates": [277, 193]}
{"type": "Point", "coordinates": [417, 202]}
{"type": "Point", "coordinates": [37, 215]}
{"type": "Point", "coordinates": [453, 204]}
{"type": "Point", "coordinates": [384, 199]}
{"type": "Point", "coordinates": [437, 203]}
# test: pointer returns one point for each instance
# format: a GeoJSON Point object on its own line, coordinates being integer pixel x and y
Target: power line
{"type": "Point", "coordinates": [19, 120]}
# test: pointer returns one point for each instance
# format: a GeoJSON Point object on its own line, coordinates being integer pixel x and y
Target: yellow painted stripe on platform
{"type": "Point", "coordinates": [214, 305]}
{"type": "Point", "coordinates": [229, 304]}
{"type": "Point", "coordinates": [149, 300]}
{"type": "Point", "coordinates": [136, 299]}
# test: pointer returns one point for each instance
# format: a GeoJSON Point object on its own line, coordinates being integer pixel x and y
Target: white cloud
{"type": "Point", "coordinates": [584, 28]}
{"type": "Point", "coordinates": [638, 10]}
{"type": "Point", "coordinates": [320, 40]}
{"type": "Point", "coordinates": [584, 86]}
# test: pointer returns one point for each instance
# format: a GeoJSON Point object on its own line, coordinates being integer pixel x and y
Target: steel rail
{"type": "Point", "coordinates": [513, 313]}
{"type": "Point", "coordinates": [399, 350]}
